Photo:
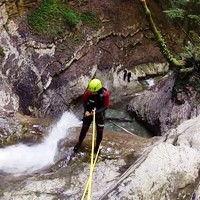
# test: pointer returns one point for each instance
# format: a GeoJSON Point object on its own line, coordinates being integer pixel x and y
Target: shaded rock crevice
{"type": "Point", "coordinates": [167, 104]}
{"type": "Point", "coordinates": [149, 107]}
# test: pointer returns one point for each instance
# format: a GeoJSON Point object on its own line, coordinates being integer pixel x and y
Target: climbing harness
{"type": "Point", "coordinates": [88, 186]}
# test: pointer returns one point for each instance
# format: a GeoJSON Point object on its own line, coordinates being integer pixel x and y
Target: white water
{"type": "Point", "coordinates": [23, 159]}
{"type": "Point", "coordinates": [151, 82]}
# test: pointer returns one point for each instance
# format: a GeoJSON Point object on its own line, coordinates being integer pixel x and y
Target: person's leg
{"type": "Point", "coordinates": [86, 124]}
{"type": "Point", "coordinates": [99, 136]}
{"type": "Point", "coordinates": [100, 127]}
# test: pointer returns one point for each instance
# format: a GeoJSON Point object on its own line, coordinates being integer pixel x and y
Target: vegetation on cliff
{"type": "Point", "coordinates": [53, 17]}
{"type": "Point", "coordinates": [2, 54]}
{"type": "Point", "coordinates": [184, 12]}
{"type": "Point", "coordinates": [181, 11]}
{"type": "Point", "coordinates": [186, 15]}
{"type": "Point", "coordinates": [166, 52]}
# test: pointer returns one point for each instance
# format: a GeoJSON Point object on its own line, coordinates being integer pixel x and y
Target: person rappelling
{"type": "Point", "coordinates": [97, 98]}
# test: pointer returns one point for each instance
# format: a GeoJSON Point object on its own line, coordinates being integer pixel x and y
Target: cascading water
{"type": "Point", "coordinates": [25, 159]}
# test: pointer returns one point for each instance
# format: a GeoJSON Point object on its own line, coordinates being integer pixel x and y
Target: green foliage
{"type": "Point", "coordinates": [175, 13]}
{"type": "Point", "coordinates": [90, 19]}
{"type": "Point", "coordinates": [187, 14]}
{"type": "Point", "coordinates": [2, 54]}
{"type": "Point", "coordinates": [52, 18]}
{"type": "Point", "coordinates": [195, 18]}
{"type": "Point", "coordinates": [72, 18]}
{"type": "Point", "coordinates": [177, 3]}
{"type": "Point", "coordinates": [192, 51]}
{"type": "Point", "coordinates": [184, 11]}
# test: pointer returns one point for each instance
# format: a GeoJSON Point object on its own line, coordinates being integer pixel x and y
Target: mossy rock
{"type": "Point", "coordinates": [90, 19]}
{"type": "Point", "coordinates": [53, 18]}
{"type": "Point", "coordinates": [2, 54]}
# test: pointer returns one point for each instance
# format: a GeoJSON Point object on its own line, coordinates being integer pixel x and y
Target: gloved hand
{"type": "Point", "coordinates": [87, 114]}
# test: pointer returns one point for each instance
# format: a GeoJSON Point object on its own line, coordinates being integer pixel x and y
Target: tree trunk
{"type": "Point", "coordinates": [174, 63]}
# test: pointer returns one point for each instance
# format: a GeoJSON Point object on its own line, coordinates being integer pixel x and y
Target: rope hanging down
{"type": "Point", "coordinates": [88, 186]}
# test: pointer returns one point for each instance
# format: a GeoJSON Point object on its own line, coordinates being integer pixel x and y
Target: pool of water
{"type": "Point", "coordinates": [119, 118]}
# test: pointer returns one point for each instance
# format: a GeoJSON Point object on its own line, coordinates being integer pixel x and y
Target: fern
{"type": "Point", "coordinates": [184, 10]}
{"type": "Point", "coordinates": [175, 13]}
{"type": "Point", "coordinates": [195, 18]}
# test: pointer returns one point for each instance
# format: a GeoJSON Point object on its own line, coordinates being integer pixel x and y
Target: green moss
{"type": "Point", "coordinates": [52, 18]}
{"type": "Point", "coordinates": [2, 54]}
{"type": "Point", "coordinates": [90, 18]}
{"type": "Point", "coordinates": [72, 18]}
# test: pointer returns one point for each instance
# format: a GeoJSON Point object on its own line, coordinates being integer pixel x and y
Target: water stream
{"type": "Point", "coordinates": [21, 158]}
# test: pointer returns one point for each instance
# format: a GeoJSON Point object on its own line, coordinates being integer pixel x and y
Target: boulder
{"type": "Point", "coordinates": [169, 169]}
{"type": "Point", "coordinates": [163, 106]}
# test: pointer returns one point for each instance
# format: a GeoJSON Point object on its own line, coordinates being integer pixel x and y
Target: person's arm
{"type": "Point", "coordinates": [85, 99]}
{"type": "Point", "coordinates": [86, 95]}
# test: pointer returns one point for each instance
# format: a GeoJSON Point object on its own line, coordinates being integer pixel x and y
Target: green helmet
{"type": "Point", "coordinates": [94, 85]}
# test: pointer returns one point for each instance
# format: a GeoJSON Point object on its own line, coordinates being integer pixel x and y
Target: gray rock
{"type": "Point", "coordinates": [49, 76]}
{"type": "Point", "coordinates": [153, 106]}
{"type": "Point", "coordinates": [168, 169]}
{"type": "Point", "coordinates": [162, 108]}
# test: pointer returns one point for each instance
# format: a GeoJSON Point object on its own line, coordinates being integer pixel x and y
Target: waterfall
{"type": "Point", "coordinates": [21, 158]}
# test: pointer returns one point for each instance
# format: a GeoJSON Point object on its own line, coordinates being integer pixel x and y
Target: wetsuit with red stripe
{"type": "Point", "coordinates": [99, 101]}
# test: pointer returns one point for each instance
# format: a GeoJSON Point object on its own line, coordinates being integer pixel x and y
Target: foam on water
{"type": "Point", "coordinates": [151, 82]}
{"type": "Point", "coordinates": [22, 158]}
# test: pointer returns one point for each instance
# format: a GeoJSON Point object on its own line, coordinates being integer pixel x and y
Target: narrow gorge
{"type": "Point", "coordinates": [51, 49]}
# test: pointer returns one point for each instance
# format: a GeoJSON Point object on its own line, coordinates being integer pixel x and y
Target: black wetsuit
{"type": "Point", "coordinates": [100, 103]}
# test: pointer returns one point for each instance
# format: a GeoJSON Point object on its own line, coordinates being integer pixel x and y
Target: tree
{"type": "Point", "coordinates": [185, 12]}
{"type": "Point", "coordinates": [174, 63]}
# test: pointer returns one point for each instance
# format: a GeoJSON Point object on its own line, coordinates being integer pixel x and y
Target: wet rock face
{"type": "Point", "coordinates": [8, 100]}
{"type": "Point", "coordinates": [165, 105]}
{"type": "Point", "coordinates": [150, 106]}
{"type": "Point", "coordinates": [49, 75]}
{"type": "Point", "coordinates": [67, 177]}
{"type": "Point", "coordinates": [16, 128]}
{"type": "Point", "coordinates": [8, 126]}
{"type": "Point", "coordinates": [169, 168]}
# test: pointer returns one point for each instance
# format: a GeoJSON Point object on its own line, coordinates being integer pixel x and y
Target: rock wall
{"type": "Point", "coordinates": [166, 105]}
{"type": "Point", "coordinates": [167, 170]}
{"type": "Point", "coordinates": [17, 8]}
{"type": "Point", "coordinates": [49, 75]}
{"type": "Point", "coordinates": [129, 167]}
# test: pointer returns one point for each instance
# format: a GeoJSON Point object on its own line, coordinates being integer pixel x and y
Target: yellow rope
{"type": "Point", "coordinates": [88, 186]}
{"type": "Point", "coordinates": [92, 160]}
